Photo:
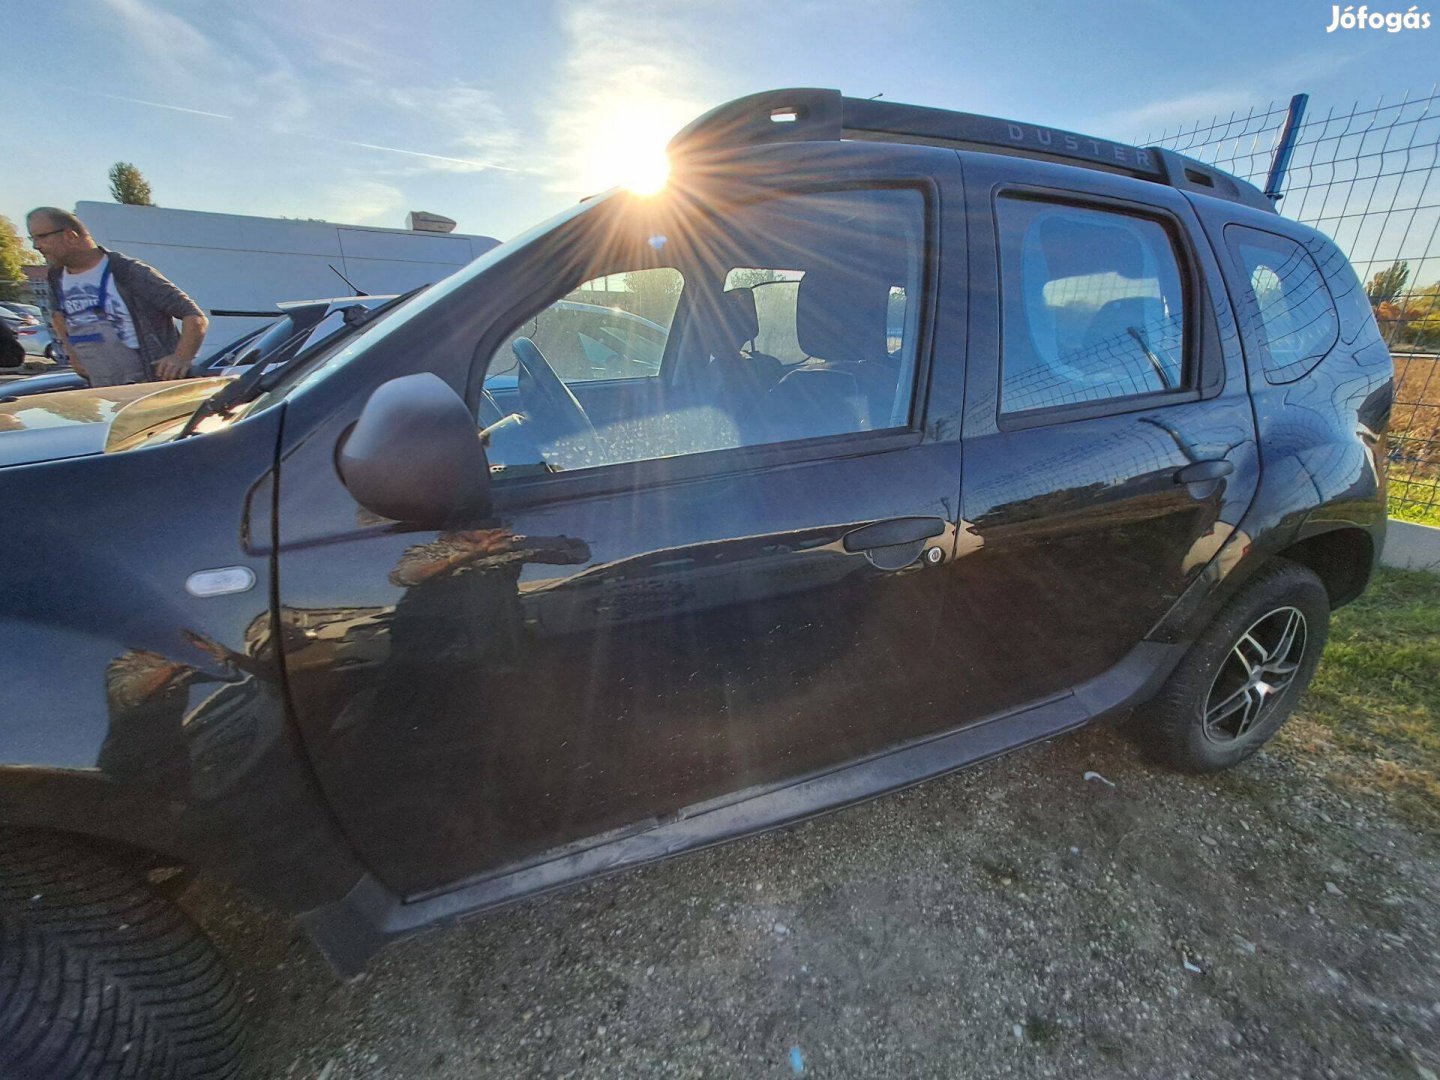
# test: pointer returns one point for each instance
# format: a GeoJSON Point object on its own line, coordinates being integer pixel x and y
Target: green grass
{"type": "Point", "coordinates": [1419, 513]}
{"type": "Point", "coordinates": [1373, 711]}
{"type": "Point", "coordinates": [1414, 500]}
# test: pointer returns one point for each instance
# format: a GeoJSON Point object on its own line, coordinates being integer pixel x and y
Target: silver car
{"type": "Point", "coordinates": [38, 340]}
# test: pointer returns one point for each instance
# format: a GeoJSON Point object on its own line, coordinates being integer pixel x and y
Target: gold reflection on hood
{"type": "Point", "coordinates": [65, 407]}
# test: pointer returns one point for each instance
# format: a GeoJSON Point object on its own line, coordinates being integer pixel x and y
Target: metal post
{"type": "Point", "coordinates": [1286, 147]}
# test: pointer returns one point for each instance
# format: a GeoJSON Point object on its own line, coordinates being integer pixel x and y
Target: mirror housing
{"type": "Point", "coordinates": [415, 455]}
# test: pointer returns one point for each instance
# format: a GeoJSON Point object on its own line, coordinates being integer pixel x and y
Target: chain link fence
{"type": "Point", "coordinates": [1367, 177]}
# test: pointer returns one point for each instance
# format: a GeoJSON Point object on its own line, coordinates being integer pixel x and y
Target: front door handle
{"type": "Point", "coordinates": [1201, 471]}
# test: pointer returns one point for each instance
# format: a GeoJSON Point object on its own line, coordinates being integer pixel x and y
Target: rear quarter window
{"type": "Point", "coordinates": [1290, 320]}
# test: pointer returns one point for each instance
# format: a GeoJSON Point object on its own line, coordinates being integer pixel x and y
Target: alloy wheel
{"type": "Point", "coordinates": [1255, 675]}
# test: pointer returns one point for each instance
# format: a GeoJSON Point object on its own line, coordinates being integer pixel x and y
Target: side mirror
{"type": "Point", "coordinates": [415, 455]}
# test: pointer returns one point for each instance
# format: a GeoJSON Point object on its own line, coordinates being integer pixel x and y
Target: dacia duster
{"type": "Point", "coordinates": [883, 440]}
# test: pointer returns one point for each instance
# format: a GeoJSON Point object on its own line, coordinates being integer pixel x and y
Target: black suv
{"type": "Point", "coordinates": [957, 433]}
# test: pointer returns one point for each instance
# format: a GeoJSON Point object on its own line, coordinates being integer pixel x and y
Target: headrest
{"type": "Point", "coordinates": [841, 315]}
{"type": "Point", "coordinates": [737, 311]}
{"type": "Point", "coordinates": [1075, 248]}
{"type": "Point", "coordinates": [728, 321]}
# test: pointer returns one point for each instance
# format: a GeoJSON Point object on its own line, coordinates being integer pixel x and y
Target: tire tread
{"type": "Point", "coordinates": [102, 978]}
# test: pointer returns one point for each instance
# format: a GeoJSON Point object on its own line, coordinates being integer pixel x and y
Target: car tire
{"type": "Point", "coordinates": [50, 351]}
{"type": "Point", "coordinates": [1240, 681]}
{"type": "Point", "coordinates": [100, 977]}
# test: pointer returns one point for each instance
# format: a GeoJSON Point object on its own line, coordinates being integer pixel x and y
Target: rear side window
{"type": "Point", "coordinates": [1093, 306]}
{"type": "Point", "coordinates": [1290, 316]}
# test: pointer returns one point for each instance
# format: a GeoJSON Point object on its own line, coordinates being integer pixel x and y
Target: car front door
{"type": "Point", "coordinates": [1109, 445]}
{"type": "Point", "coordinates": [732, 587]}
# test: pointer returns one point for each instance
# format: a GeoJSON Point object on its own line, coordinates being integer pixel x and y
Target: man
{"type": "Point", "coordinates": [114, 315]}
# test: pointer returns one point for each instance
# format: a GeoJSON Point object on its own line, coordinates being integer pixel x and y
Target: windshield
{"type": "Point", "coordinates": [297, 379]}
{"type": "Point", "coordinates": [266, 341]}
{"type": "Point", "coordinates": [227, 354]}
{"type": "Point", "coordinates": [279, 369]}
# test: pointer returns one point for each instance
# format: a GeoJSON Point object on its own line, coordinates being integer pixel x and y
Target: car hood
{"type": "Point", "coordinates": [46, 427]}
{"type": "Point", "coordinates": [41, 384]}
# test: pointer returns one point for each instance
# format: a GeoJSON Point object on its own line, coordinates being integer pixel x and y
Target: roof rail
{"type": "Point", "coordinates": [817, 115]}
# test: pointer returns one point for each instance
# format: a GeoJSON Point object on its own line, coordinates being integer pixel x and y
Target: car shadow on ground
{"type": "Point", "coordinates": [1069, 910]}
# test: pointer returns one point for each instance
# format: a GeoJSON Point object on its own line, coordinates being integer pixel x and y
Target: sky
{"type": "Point", "coordinates": [501, 114]}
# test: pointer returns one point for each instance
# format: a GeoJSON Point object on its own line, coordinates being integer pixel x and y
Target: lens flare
{"type": "Point", "coordinates": [648, 173]}
{"type": "Point", "coordinates": [623, 142]}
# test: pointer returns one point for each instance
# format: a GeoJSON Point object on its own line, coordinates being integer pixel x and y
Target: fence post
{"type": "Point", "coordinates": [1285, 147]}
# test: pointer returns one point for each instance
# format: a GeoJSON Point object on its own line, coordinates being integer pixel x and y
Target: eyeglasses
{"type": "Point", "coordinates": [42, 235]}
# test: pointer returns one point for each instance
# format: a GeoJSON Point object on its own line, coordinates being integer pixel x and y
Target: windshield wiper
{"type": "Point", "coordinates": [261, 379]}
{"type": "Point", "coordinates": [240, 390]}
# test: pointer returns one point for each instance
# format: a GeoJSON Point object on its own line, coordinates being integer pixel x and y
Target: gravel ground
{"type": "Point", "coordinates": [1015, 919]}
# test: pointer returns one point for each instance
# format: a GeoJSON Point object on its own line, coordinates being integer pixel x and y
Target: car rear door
{"type": "Point", "coordinates": [1109, 437]}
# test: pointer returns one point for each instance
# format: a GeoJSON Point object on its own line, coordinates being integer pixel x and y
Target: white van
{"type": "Point", "coordinates": [237, 268]}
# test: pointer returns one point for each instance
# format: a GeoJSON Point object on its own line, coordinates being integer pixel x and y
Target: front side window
{"type": "Point", "coordinates": [611, 327]}
{"type": "Point", "coordinates": [1292, 322]}
{"type": "Point", "coordinates": [1093, 306]}
{"type": "Point", "coordinates": [779, 320]}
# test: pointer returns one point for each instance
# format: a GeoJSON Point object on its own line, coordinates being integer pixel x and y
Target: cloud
{"type": "Point", "coordinates": [158, 31]}
{"type": "Point", "coordinates": [1270, 90]}
{"type": "Point", "coordinates": [632, 76]}
{"type": "Point", "coordinates": [280, 100]}
{"type": "Point", "coordinates": [325, 87]}
{"type": "Point", "coordinates": [362, 202]}
{"type": "Point", "coordinates": [1189, 109]}
{"type": "Point", "coordinates": [475, 133]}
{"type": "Point", "coordinates": [431, 160]}
{"type": "Point", "coordinates": [172, 108]}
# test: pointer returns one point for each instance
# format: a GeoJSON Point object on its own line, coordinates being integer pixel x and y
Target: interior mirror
{"type": "Point", "coordinates": [415, 455]}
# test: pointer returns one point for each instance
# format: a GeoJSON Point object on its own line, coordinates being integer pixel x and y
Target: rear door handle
{"type": "Point", "coordinates": [896, 531]}
{"type": "Point", "coordinates": [1201, 471]}
{"type": "Point", "coordinates": [894, 544]}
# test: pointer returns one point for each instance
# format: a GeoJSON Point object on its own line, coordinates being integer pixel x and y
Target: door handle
{"type": "Point", "coordinates": [1201, 471]}
{"type": "Point", "coordinates": [892, 533]}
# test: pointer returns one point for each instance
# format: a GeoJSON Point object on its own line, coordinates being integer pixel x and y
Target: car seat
{"type": "Point", "coordinates": [848, 382]}
{"type": "Point", "coordinates": [737, 375]}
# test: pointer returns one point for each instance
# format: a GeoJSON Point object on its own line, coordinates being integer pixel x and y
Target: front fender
{"type": "Point", "coordinates": [133, 710]}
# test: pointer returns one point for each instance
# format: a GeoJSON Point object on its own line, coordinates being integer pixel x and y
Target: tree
{"type": "Point", "coordinates": [1421, 317]}
{"type": "Point", "coordinates": [748, 278]}
{"type": "Point", "coordinates": [651, 294]}
{"type": "Point", "coordinates": [128, 186]}
{"type": "Point", "coordinates": [1387, 284]}
{"type": "Point", "coordinates": [13, 255]}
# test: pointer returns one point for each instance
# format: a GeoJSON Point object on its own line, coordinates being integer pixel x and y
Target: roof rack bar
{"type": "Point", "coordinates": [944, 126]}
{"type": "Point", "coordinates": [809, 115]}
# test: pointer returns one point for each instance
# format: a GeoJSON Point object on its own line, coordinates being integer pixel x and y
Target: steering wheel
{"type": "Point", "coordinates": [548, 401]}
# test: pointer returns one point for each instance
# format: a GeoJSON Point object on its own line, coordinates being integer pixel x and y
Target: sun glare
{"type": "Point", "coordinates": [649, 173]}
{"type": "Point", "coordinates": [627, 147]}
